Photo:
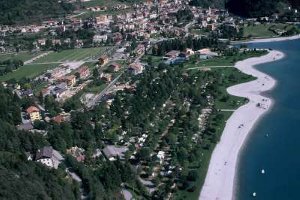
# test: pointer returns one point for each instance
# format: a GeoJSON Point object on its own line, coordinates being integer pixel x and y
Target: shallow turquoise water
{"type": "Point", "coordinates": [279, 153]}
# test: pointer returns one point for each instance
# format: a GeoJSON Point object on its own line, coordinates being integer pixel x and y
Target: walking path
{"type": "Point", "coordinates": [37, 57]}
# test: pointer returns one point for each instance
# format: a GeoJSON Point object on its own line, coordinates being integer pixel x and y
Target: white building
{"type": "Point", "coordinates": [161, 156]}
{"type": "Point", "coordinates": [49, 157]}
{"type": "Point", "coordinates": [99, 38]}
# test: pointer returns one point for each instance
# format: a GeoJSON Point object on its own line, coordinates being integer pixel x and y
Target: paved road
{"type": "Point", "coordinates": [98, 97]}
{"type": "Point", "coordinates": [127, 195]}
{"type": "Point", "coordinates": [187, 27]}
{"type": "Point", "coordinates": [37, 57]}
{"type": "Point", "coordinates": [227, 110]}
{"type": "Point", "coordinates": [209, 67]}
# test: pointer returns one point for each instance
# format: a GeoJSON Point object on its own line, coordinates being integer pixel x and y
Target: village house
{"type": "Point", "coordinates": [56, 42]}
{"type": "Point", "coordinates": [77, 153]}
{"type": "Point", "coordinates": [34, 113]}
{"type": "Point", "coordinates": [140, 49]}
{"type": "Point", "coordinates": [102, 20]}
{"type": "Point", "coordinates": [161, 156]}
{"type": "Point", "coordinates": [46, 91]}
{"type": "Point", "coordinates": [112, 152]}
{"type": "Point", "coordinates": [84, 72]}
{"type": "Point", "coordinates": [103, 60]}
{"type": "Point", "coordinates": [70, 80]}
{"type": "Point", "coordinates": [211, 27]}
{"type": "Point", "coordinates": [100, 38]}
{"type": "Point", "coordinates": [114, 67]}
{"type": "Point", "coordinates": [189, 51]}
{"type": "Point", "coordinates": [117, 37]}
{"type": "Point", "coordinates": [49, 157]}
{"type": "Point", "coordinates": [106, 77]}
{"type": "Point", "coordinates": [206, 53]}
{"type": "Point", "coordinates": [58, 90]}
{"type": "Point", "coordinates": [41, 42]}
{"type": "Point", "coordinates": [58, 119]}
{"type": "Point", "coordinates": [135, 68]}
{"type": "Point", "coordinates": [172, 54]}
{"type": "Point", "coordinates": [28, 93]}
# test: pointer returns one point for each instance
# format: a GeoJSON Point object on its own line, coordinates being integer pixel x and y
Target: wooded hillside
{"type": "Point", "coordinates": [28, 11]}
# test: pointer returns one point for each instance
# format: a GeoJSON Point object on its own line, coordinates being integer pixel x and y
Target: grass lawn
{"type": "Point", "coordinates": [199, 31]}
{"type": "Point", "coordinates": [95, 89]}
{"type": "Point", "coordinates": [88, 13]}
{"type": "Point", "coordinates": [155, 60]}
{"type": "Point", "coordinates": [265, 30]}
{"type": "Point", "coordinates": [24, 56]}
{"type": "Point", "coordinates": [224, 60]}
{"type": "Point", "coordinates": [100, 3]}
{"type": "Point", "coordinates": [27, 71]}
{"type": "Point", "coordinates": [231, 76]}
{"type": "Point", "coordinates": [72, 55]}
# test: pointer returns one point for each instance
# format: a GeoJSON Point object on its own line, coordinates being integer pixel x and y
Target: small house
{"type": "Point", "coordinates": [135, 68]}
{"type": "Point", "coordinates": [103, 60]}
{"type": "Point", "coordinates": [112, 152]}
{"type": "Point", "coordinates": [106, 77]}
{"type": "Point", "coordinates": [77, 153]}
{"type": "Point", "coordinates": [114, 67]}
{"type": "Point", "coordinates": [49, 157]}
{"type": "Point", "coordinates": [34, 113]}
{"type": "Point", "coordinates": [71, 80]}
{"type": "Point", "coordinates": [84, 72]}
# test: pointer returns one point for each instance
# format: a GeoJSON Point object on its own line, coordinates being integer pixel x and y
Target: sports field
{"type": "Point", "coordinates": [52, 60]}
{"type": "Point", "coordinates": [72, 55]}
{"type": "Point", "coordinates": [27, 71]}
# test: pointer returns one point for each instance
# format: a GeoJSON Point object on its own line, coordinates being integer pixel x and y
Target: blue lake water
{"type": "Point", "coordinates": [279, 153]}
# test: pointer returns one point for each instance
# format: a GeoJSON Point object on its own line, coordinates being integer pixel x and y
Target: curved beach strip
{"type": "Point", "coordinates": [219, 181]}
{"type": "Point", "coordinates": [275, 39]}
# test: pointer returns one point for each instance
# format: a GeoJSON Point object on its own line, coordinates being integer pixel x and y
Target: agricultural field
{"type": "Point", "coordinates": [27, 71]}
{"type": "Point", "coordinates": [72, 55]}
{"type": "Point", "coordinates": [100, 3]}
{"type": "Point", "coordinates": [103, 3]}
{"type": "Point", "coordinates": [24, 56]}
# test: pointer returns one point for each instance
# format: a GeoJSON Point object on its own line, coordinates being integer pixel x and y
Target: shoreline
{"type": "Point", "coordinates": [263, 40]}
{"type": "Point", "coordinates": [220, 178]}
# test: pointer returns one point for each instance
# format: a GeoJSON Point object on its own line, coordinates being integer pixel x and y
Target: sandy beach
{"type": "Point", "coordinates": [220, 178]}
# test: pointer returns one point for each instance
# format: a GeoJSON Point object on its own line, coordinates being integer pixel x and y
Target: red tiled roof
{"type": "Point", "coordinates": [32, 109]}
{"type": "Point", "coordinates": [58, 119]}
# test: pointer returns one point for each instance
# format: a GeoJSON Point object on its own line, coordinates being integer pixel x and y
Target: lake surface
{"type": "Point", "coordinates": [274, 145]}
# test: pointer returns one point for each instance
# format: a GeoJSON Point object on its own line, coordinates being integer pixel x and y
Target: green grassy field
{"type": "Point", "coordinates": [265, 30]}
{"type": "Point", "coordinates": [88, 14]}
{"type": "Point", "coordinates": [24, 56]}
{"type": "Point", "coordinates": [224, 60]}
{"type": "Point", "coordinates": [49, 61]}
{"type": "Point", "coordinates": [72, 55]}
{"type": "Point", "coordinates": [27, 71]}
{"type": "Point", "coordinates": [100, 3]}
{"type": "Point", "coordinates": [95, 89]}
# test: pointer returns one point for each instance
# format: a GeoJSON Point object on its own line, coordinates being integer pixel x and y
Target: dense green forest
{"type": "Point", "coordinates": [248, 8]}
{"type": "Point", "coordinates": [257, 8]}
{"type": "Point", "coordinates": [208, 3]}
{"type": "Point", "coordinates": [28, 11]}
{"type": "Point", "coordinates": [22, 179]}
